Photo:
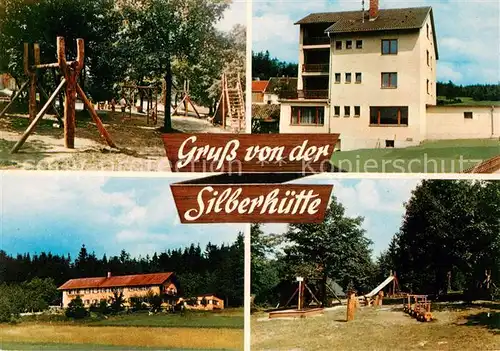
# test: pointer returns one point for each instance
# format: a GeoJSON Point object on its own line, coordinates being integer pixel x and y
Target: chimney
{"type": "Point", "coordinates": [373, 9]}
{"type": "Point", "coordinates": [109, 275]}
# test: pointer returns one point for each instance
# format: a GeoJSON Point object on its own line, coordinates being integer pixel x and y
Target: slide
{"type": "Point", "coordinates": [380, 287]}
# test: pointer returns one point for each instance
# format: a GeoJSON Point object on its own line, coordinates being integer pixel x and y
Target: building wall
{"type": "Point", "coordinates": [271, 99]}
{"type": "Point", "coordinates": [90, 295]}
{"type": "Point", "coordinates": [356, 132]}
{"type": "Point", "coordinates": [257, 97]}
{"type": "Point", "coordinates": [447, 122]}
{"type": "Point", "coordinates": [286, 113]}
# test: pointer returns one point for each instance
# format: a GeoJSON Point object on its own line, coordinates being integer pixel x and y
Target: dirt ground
{"type": "Point", "coordinates": [140, 147]}
{"type": "Point", "coordinates": [455, 327]}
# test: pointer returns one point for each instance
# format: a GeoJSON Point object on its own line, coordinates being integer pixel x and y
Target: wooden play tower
{"type": "Point", "coordinates": [70, 71]}
{"type": "Point", "coordinates": [230, 111]}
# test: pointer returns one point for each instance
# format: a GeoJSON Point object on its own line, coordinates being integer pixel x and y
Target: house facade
{"type": "Point", "coordinates": [371, 77]}
{"type": "Point", "coordinates": [93, 290]}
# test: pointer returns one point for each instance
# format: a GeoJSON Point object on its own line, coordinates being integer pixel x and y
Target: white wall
{"type": "Point", "coordinates": [446, 122]}
{"type": "Point", "coordinates": [285, 118]}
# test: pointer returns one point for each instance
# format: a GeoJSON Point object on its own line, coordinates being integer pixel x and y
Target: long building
{"type": "Point", "coordinates": [93, 290]}
{"type": "Point", "coordinates": [371, 76]}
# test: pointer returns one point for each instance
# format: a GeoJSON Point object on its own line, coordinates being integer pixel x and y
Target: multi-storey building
{"type": "Point", "coordinates": [93, 290]}
{"type": "Point", "coordinates": [371, 77]}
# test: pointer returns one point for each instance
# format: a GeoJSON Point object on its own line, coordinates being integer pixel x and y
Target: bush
{"type": "Point", "coordinates": [76, 309]}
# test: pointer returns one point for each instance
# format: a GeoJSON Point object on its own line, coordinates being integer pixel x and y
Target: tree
{"type": "Point", "coordinates": [117, 301]}
{"type": "Point", "coordinates": [161, 31]}
{"type": "Point", "coordinates": [449, 226]}
{"type": "Point", "coordinates": [335, 248]}
{"type": "Point", "coordinates": [265, 67]}
{"type": "Point", "coordinates": [76, 309]}
{"type": "Point", "coordinates": [97, 22]}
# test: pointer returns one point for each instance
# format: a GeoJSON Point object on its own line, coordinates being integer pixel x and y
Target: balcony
{"type": "Point", "coordinates": [316, 41]}
{"type": "Point", "coordinates": [315, 68]}
{"type": "Point", "coordinates": [304, 94]}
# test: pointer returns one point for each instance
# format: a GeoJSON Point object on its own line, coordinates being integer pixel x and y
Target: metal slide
{"type": "Point", "coordinates": [380, 287]}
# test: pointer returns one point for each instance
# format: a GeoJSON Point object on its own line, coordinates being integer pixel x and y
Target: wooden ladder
{"type": "Point", "coordinates": [235, 105]}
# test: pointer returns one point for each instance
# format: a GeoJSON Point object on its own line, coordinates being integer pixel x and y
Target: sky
{"type": "Point", "coordinates": [468, 32]}
{"type": "Point", "coordinates": [234, 14]}
{"type": "Point", "coordinates": [379, 201]}
{"type": "Point", "coordinates": [60, 212]}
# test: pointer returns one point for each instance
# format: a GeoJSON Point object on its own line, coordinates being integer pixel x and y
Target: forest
{"type": "Point", "coordinates": [478, 92]}
{"type": "Point", "coordinates": [448, 238]}
{"type": "Point", "coordinates": [28, 281]}
{"type": "Point", "coordinates": [265, 67]}
{"type": "Point", "coordinates": [159, 43]}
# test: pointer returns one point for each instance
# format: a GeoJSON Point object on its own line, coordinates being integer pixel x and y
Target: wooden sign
{"type": "Point", "coordinates": [251, 203]}
{"type": "Point", "coordinates": [237, 153]}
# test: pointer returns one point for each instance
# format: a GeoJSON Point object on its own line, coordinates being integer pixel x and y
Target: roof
{"type": "Point", "coordinates": [117, 281]}
{"type": "Point", "coordinates": [388, 19]}
{"type": "Point", "coordinates": [287, 83]}
{"type": "Point", "coordinates": [486, 167]}
{"type": "Point", "coordinates": [259, 85]}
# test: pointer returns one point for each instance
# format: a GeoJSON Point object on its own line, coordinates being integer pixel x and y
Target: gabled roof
{"type": "Point", "coordinates": [117, 281]}
{"type": "Point", "coordinates": [259, 86]}
{"type": "Point", "coordinates": [489, 166]}
{"type": "Point", "coordinates": [388, 19]}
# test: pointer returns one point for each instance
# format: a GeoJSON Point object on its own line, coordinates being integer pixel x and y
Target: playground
{"type": "Point", "coordinates": [58, 140]}
{"type": "Point", "coordinates": [386, 327]}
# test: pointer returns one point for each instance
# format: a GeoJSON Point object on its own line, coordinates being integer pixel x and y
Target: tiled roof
{"type": "Point", "coordinates": [387, 19]}
{"type": "Point", "coordinates": [117, 281]}
{"type": "Point", "coordinates": [486, 167]}
{"type": "Point", "coordinates": [259, 86]}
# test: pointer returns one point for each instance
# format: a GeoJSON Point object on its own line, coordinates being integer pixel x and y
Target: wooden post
{"type": "Point", "coordinates": [104, 133]}
{"type": "Point", "coordinates": [32, 79]}
{"type": "Point", "coordinates": [18, 93]}
{"type": "Point", "coordinates": [351, 305]}
{"type": "Point", "coordinates": [223, 101]}
{"type": "Point", "coordinates": [33, 123]}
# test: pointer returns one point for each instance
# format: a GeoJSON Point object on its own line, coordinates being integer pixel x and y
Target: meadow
{"type": "Point", "coordinates": [444, 156]}
{"type": "Point", "coordinates": [137, 331]}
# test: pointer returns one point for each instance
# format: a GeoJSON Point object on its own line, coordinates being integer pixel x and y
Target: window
{"type": "Point", "coordinates": [336, 111]}
{"type": "Point", "coordinates": [468, 115]}
{"type": "Point", "coordinates": [359, 44]}
{"type": "Point", "coordinates": [358, 77]}
{"type": "Point", "coordinates": [428, 64]}
{"type": "Point", "coordinates": [338, 45]}
{"type": "Point", "coordinates": [348, 44]}
{"type": "Point", "coordinates": [390, 80]}
{"type": "Point", "coordinates": [389, 46]}
{"type": "Point", "coordinates": [347, 111]}
{"type": "Point", "coordinates": [427, 86]}
{"type": "Point", "coordinates": [389, 143]}
{"type": "Point", "coordinates": [308, 115]}
{"type": "Point", "coordinates": [337, 78]}
{"type": "Point", "coordinates": [357, 111]}
{"type": "Point", "coordinates": [348, 77]}
{"type": "Point", "coordinates": [389, 115]}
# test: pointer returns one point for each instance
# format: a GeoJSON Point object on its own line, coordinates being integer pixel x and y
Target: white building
{"type": "Point", "coordinates": [371, 77]}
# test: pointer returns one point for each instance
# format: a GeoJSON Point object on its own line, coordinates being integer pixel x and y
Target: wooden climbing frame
{"type": "Point", "coordinates": [418, 306]}
{"type": "Point", "coordinates": [70, 71]}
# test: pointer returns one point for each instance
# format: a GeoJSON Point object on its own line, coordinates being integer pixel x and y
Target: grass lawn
{"type": "Point", "coordinates": [468, 101]}
{"type": "Point", "coordinates": [229, 319]}
{"type": "Point", "coordinates": [138, 331]}
{"type": "Point", "coordinates": [444, 156]}
{"type": "Point", "coordinates": [455, 327]}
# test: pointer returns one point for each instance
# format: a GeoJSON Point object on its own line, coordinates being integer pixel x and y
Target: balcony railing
{"type": "Point", "coordinates": [304, 94]}
{"type": "Point", "coordinates": [315, 68]}
{"type": "Point", "coordinates": [316, 40]}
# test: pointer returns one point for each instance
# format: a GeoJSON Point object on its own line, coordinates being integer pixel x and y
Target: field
{"type": "Point", "coordinates": [456, 327]}
{"type": "Point", "coordinates": [445, 156]}
{"type": "Point", "coordinates": [193, 331]}
{"type": "Point", "coordinates": [468, 101]}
